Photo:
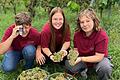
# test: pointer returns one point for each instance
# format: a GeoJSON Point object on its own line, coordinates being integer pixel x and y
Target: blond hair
{"type": "Point", "coordinates": [91, 14]}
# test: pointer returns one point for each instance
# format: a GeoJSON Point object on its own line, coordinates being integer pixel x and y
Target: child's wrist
{"type": "Point", "coordinates": [50, 55]}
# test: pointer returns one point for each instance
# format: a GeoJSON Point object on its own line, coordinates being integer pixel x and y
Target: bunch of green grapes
{"type": "Point", "coordinates": [59, 77]}
{"type": "Point", "coordinates": [33, 74]}
{"type": "Point", "coordinates": [58, 56]}
{"type": "Point", "coordinates": [72, 56]}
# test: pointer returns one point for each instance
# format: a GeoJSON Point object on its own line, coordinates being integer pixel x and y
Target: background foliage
{"type": "Point", "coordinates": [107, 10]}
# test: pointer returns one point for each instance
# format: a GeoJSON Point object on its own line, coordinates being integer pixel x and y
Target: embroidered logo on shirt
{"type": "Point", "coordinates": [91, 49]}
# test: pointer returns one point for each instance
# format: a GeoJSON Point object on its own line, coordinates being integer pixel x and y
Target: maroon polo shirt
{"type": "Point", "coordinates": [19, 42]}
{"type": "Point", "coordinates": [88, 46]}
{"type": "Point", "coordinates": [46, 37]}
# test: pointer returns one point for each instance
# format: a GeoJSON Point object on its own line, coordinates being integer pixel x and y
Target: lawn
{"type": "Point", "coordinates": [112, 27]}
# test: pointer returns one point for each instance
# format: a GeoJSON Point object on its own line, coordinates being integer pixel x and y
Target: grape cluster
{"type": "Point", "coordinates": [61, 76]}
{"type": "Point", "coordinates": [57, 57]}
{"type": "Point", "coordinates": [33, 74]}
{"type": "Point", "coordinates": [72, 56]}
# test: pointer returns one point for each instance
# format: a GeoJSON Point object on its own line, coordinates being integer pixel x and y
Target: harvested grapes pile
{"type": "Point", "coordinates": [61, 76]}
{"type": "Point", "coordinates": [33, 74]}
{"type": "Point", "coordinates": [58, 56]}
{"type": "Point", "coordinates": [72, 56]}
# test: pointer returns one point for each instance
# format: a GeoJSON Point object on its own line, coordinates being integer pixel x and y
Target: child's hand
{"type": "Point", "coordinates": [63, 53]}
{"type": "Point", "coordinates": [52, 58]}
{"type": "Point", "coordinates": [78, 60]}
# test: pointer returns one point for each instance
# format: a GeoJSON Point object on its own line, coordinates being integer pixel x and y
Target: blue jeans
{"type": "Point", "coordinates": [12, 58]}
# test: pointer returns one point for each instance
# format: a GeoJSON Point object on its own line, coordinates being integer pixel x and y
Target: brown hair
{"type": "Point", "coordinates": [23, 18]}
{"type": "Point", "coordinates": [89, 13]}
{"type": "Point", "coordinates": [65, 28]}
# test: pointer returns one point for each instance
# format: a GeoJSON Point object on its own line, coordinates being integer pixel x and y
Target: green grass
{"type": "Point", "coordinates": [5, 21]}
{"type": "Point", "coordinates": [112, 26]}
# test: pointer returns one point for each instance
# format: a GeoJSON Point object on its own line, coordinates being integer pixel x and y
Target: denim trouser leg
{"type": "Point", "coordinates": [29, 55]}
{"type": "Point", "coordinates": [10, 60]}
{"type": "Point", "coordinates": [104, 69]}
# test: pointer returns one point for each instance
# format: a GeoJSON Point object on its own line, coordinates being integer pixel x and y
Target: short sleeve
{"type": "Point", "coordinates": [38, 42]}
{"type": "Point", "coordinates": [7, 34]}
{"type": "Point", "coordinates": [67, 35]}
{"type": "Point", "coordinates": [45, 39]}
{"type": "Point", "coordinates": [74, 41]}
{"type": "Point", "coordinates": [101, 44]}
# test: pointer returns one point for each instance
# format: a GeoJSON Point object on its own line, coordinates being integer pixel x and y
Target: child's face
{"type": "Point", "coordinates": [86, 24]}
{"type": "Point", "coordinates": [57, 20]}
{"type": "Point", "coordinates": [26, 29]}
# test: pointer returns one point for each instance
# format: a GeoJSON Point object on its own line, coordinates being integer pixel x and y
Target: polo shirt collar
{"type": "Point", "coordinates": [89, 37]}
{"type": "Point", "coordinates": [58, 30]}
